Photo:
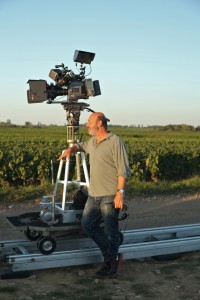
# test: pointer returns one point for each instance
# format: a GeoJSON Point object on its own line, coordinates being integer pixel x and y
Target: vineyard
{"type": "Point", "coordinates": [29, 155]}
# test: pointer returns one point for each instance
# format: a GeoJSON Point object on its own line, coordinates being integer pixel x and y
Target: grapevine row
{"type": "Point", "coordinates": [28, 161]}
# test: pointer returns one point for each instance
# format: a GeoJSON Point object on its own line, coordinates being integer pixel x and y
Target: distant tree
{"type": "Point", "coordinates": [180, 127]}
{"type": "Point", "coordinates": [28, 124]}
{"type": "Point", "coordinates": [197, 128]}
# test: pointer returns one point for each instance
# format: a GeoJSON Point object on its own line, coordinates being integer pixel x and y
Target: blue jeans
{"type": "Point", "coordinates": [98, 209]}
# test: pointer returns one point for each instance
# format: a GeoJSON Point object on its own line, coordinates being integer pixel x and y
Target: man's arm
{"type": "Point", "coordinates": [69, 151]}
{"type": "Point", "coordinates": [119, 198]}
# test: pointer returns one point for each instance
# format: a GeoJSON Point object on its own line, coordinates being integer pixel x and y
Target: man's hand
{"type": "Point", "coordinates": [66, 154]}
{"type": "Point", "coordinates": [118, 201]}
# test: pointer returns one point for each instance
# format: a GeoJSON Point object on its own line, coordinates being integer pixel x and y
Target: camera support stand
{"type": "Point", "coordinates": [79, 156]}
{"type": "Point", "coordinates": [73, 115]}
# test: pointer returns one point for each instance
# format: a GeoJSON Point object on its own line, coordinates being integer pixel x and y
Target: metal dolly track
{"type": "Point", "coordinates": [21, 255]}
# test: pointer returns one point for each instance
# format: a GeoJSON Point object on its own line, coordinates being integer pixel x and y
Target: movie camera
{"type": "Point", "coordinates": [74, 86]}
{"type": "Point", "coordinates": [67, 83]}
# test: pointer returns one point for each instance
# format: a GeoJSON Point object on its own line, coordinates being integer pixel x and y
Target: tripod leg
{"type": "Point", "coordinates": [65, 183]}
{"type": "Point", "coordinates": [85, 169]}
{"type": "Point", "coordinates": [78, 170]}
{"type": "Point", "coordinates": [57, 180]}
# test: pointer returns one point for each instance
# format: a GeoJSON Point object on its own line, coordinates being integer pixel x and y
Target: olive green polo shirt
{"type": "Point", "coordinates": [108, 160]}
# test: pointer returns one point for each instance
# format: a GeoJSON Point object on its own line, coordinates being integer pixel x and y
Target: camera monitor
{"type": "Point", "coordinates": [83, 57]}
{"type": "Point", "coordinates": [37, 91]}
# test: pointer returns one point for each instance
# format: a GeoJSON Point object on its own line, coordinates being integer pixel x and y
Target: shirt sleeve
{"type": "Point", "coordinates": [82, 146]}
{"type": "Point", "coordinates": [121, 159]}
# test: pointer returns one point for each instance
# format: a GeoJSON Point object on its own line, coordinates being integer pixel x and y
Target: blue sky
{"type": "Point", "coordinates": [147, 57]}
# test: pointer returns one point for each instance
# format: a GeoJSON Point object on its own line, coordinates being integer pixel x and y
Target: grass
{"type": "Point", "coordinates": [31, 192]}
{"type": "Point", "coordinates": [142, 289]}
{"type": "Point", "coordinates": [185, 266]}
{"type": "Point", "coordinates": [83, 280]}
{"type": "Point", "coordinates": [170, 269]}
{"type": "Point", "coordinates": [190, 185]}
{"type": "Point", "coordinates": [12, 194]}
{"type": "Point", "coordinates": [134, 188]}
{"type": "Point", "coordinates": [84, 293]}
{"type": "Point", "coordinates": [81, 288]}
{"type": "Point", "coordinates": [58, 294]}
{"type": "Point", "coordinates": [160, 283]}
{"type": "Point", "coordinates": [171, 277]}
{"type": "Point", "coordinates": [39, 297]}
{"type": "Point", "coordinates": [8, 289]}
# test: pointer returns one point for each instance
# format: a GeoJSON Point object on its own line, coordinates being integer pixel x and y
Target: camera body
{"type": "Point", "coordinates": [74, 86]}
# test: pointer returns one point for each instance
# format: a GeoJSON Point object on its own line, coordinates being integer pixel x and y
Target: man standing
{"type": "Point", "coordinates": [109, 169]}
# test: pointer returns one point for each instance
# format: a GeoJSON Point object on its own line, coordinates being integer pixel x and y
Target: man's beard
{"type": "Point", "coordinates": [92, 131]}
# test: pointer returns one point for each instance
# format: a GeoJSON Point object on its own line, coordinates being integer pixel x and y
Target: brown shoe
{"type": "Point", "coordinates": [115, 266]}
{"type": "Point", "coordinates": [104, 271]}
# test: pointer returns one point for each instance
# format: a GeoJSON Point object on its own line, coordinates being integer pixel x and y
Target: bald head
{"type": "Point", "coordinates": [99, 116]}
{"type": "Point", "coordinates": [97, 124]}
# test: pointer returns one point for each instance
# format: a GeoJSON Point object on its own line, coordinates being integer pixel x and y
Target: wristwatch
{"type": "Point", "coordinates": [121, 191]}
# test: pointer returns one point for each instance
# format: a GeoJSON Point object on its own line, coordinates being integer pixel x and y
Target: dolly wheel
{"type": "Point", "coordinates": [46, 245]}
{"type": "Point", "coordinates": [32, 235]}
{"type": "Point", "coordinates": [121, 238]}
